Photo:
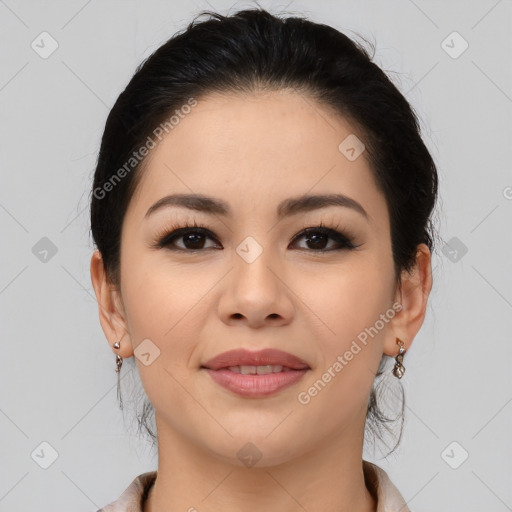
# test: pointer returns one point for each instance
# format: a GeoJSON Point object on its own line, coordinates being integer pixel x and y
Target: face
{"type": "Point", "coordinates": [310, 281]}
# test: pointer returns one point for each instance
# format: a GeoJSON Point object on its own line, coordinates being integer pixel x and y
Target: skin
{"type": "Point", "coordinates": [253, 151]}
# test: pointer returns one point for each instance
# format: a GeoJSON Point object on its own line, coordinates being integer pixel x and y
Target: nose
{"type": "Point", "coordinates": [256, 292]}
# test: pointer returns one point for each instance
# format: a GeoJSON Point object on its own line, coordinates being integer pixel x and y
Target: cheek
{"type": "Point", "coordinates": [162, 304]}
{"type": "Point", "coordinates": [349, 348]}
{"type": "Point", "coordinates": [344, 300]}
{"type": "Point", "coordinates": [345, 306]}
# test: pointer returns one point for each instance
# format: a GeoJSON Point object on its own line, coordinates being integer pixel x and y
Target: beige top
{"type": "Point", "coordinates": [377, 481]}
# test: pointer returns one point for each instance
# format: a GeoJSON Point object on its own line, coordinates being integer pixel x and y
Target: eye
{"type": "Point", "coordinates": [193, 238]}
{"type": "Point", "coordinates": [317, 238]}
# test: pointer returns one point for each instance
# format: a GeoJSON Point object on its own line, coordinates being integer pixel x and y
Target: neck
{"type": "Point", "coordinates": [328, 478]}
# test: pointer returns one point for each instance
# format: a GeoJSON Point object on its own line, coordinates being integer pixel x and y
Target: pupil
{"type": "Point", "coordinates": [314, 238]}
{"type": "Point", "coordinates": [197, 240]}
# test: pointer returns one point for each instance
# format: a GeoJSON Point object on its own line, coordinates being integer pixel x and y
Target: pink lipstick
{"type": "Point", "coordinates": [255, 374]}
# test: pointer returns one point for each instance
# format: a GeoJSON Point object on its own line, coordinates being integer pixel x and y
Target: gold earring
{"type": "Point", "coordinates": [119, 363]}
{"type": "Point", "coordinates": [399, 370]}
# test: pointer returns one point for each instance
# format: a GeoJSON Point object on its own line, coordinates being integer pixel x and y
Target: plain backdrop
{"type": "Point", "coordinates": [451, 59]}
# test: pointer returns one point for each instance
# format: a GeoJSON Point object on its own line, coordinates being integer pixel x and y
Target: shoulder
{"type": "Point", "coordinates": [131, 499]}
{"type": "Point", "coordinates": [386, 494]}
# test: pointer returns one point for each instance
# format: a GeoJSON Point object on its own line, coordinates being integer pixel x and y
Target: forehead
{"type": "Point", "coordinates": [256, 150]}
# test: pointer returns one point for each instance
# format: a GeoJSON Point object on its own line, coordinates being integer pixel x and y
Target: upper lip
{"type": "Point", "coordinates": [243, 357]}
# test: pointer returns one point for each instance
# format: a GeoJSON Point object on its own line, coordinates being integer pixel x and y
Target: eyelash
{"type": "Point", "coordinates": [165, 237]}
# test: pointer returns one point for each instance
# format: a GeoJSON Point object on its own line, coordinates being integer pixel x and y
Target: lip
{"type": "Point", "coordinates": [255, 386]}
{"type": "Point", "coordinates": [243, 357]}
{"type": "Point", "coordinates": [259, 385]}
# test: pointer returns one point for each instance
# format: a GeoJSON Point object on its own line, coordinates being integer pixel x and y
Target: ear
{"type": "Point", "coordinates": [111, 309]}
{"type": "Point", "coordinates": [412, 293]}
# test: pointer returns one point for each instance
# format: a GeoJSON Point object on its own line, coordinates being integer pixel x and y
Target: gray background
{"type": "Point", "coordinates": [57, 379]}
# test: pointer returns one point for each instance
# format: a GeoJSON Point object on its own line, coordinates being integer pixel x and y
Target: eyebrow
{"type": "Point", "coordinates": [286, 208]}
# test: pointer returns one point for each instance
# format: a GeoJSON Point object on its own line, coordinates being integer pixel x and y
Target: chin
{"type": "Point", "coordinates": [256, 449]}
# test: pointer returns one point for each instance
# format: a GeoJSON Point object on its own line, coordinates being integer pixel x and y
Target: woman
{"type": "Point", "coordinates": [261, 210]}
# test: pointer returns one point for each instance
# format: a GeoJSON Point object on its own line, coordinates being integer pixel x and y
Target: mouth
{"type": "Point", "coordinates": [250, 361]}
{"type": "Point", "coordinates": [259, 370]}
{"type": "Point", "coordinates": [255, 374]}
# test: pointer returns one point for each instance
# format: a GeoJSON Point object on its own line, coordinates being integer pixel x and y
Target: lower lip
{"type": "Point", "coordinates": [255, 386]}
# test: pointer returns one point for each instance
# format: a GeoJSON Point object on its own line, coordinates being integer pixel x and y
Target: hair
{"type": "Point", "coordinates": [252, 51]}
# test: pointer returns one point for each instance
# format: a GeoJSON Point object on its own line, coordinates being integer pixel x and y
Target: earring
{"type": "Point", "coordinates": [399, 370]}
{"type": "Point", "coordinates": [119, 363]}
